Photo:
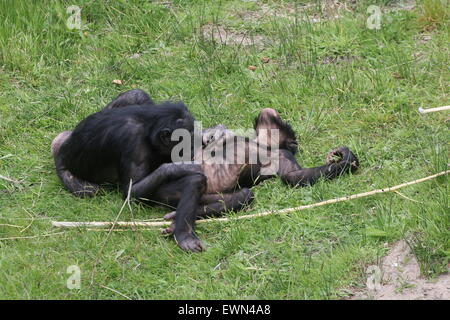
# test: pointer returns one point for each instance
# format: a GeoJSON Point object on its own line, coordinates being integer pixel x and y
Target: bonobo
{"type": "Point", "coordinates": [232, 164]}
{"type": "Point", "coordinates": [124, 143]}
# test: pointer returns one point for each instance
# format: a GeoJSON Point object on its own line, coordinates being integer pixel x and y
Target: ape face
{"type": "Point", "coordinates": [172, 133]}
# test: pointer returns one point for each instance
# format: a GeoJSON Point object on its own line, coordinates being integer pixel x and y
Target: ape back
{"type": "Point", "coordinates": [108, 142]}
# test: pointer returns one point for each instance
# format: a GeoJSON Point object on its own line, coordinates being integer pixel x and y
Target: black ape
{"type": "Point", "coordinates": [130, 98]}
{"type": "Point", "coordinates": [125, 145]}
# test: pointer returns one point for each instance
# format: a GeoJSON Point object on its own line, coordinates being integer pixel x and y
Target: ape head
{"type": "Point", "coordinates": [267, 120]}
{"type": "Point", "coordinates": [172, 116]}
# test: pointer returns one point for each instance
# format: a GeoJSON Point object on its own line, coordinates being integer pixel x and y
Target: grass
{"type": "Point", "coordinates": [336, 81]}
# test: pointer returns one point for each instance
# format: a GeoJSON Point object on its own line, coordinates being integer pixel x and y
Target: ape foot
{"type": "Point", "coordinates": [334, 156]}
{"type": "Point", "coordinates": [343, 154]}
{"type": "Point", "coordinates": [170, 215]}
{"type": "Point", "coordinates": [189, 242]}
{"type": "Point", "coordinates": [88, 191]}
{"type": "Point", "coordinates": [169, 230]}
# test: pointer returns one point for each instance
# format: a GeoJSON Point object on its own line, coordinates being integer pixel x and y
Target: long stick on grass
{"type": "Point", "coordinates": [96, 224]}
{"type": "Point", "coordinates": [421, 110]}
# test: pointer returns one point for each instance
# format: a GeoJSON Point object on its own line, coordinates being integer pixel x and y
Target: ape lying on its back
{"type": "Point", "coordinates": [269, 150]}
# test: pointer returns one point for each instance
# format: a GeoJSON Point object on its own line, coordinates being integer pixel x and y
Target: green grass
{"type": "Point", "coordinates": [336, 81]}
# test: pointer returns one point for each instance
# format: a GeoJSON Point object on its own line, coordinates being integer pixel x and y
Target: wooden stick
{"type": "Point", "coordinates": [96, 224]}
{"type": "Point", "coordinates": [421, 110]}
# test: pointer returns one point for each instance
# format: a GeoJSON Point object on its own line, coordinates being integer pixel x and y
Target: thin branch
{"type": "Point", "coordinates": [115, 291]}
{"type": "Point", "coordinates": [97, 224]}
{"type": "Point", "coordinates": [421, 110]}
{"type": "Point", "coordinates": [407, 198]}
{"type": "Point", "coordinates": [32, 221]}
{"type": "Point", "coordinates": [32, 237]}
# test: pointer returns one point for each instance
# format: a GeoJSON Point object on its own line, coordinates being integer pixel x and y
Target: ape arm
{"type": "Point", "coordinates": [146, 187]}
{"type": "Point", "coordinates": [292, 174]}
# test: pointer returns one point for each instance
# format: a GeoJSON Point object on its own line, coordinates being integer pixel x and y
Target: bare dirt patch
{"type": "Point", "coordinates": [228, 36]}
{"type": "Point", "coordinates": [401, 279]}
{"type": "Point", "coordinates": [314, 12]}
{"type": "Point", "coordinates": [401, 5]}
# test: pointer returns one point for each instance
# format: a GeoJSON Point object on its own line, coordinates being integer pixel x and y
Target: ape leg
{"type": "Point", "coordinates": [216, 204]}
{"type": "Point", "coordinates": [184, 234]}
{"type": "Point", "coordinates": [130, 98]}
{"type": "Point", "coordinates": [77, 186]}
{"type": "Point", "coordinates": [291, 173]}
{"type": "Point", "coordinates": [212, 205]}
{"type": "Point", "coordinates": [186, 193]}
{"type": "Point", "coordinates": [144, 188]}
{"type": "Point", "coordinates": [172, 183]}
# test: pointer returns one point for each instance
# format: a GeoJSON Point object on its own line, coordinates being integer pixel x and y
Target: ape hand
{"type": "Point", "coordinates": [213, 134]}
